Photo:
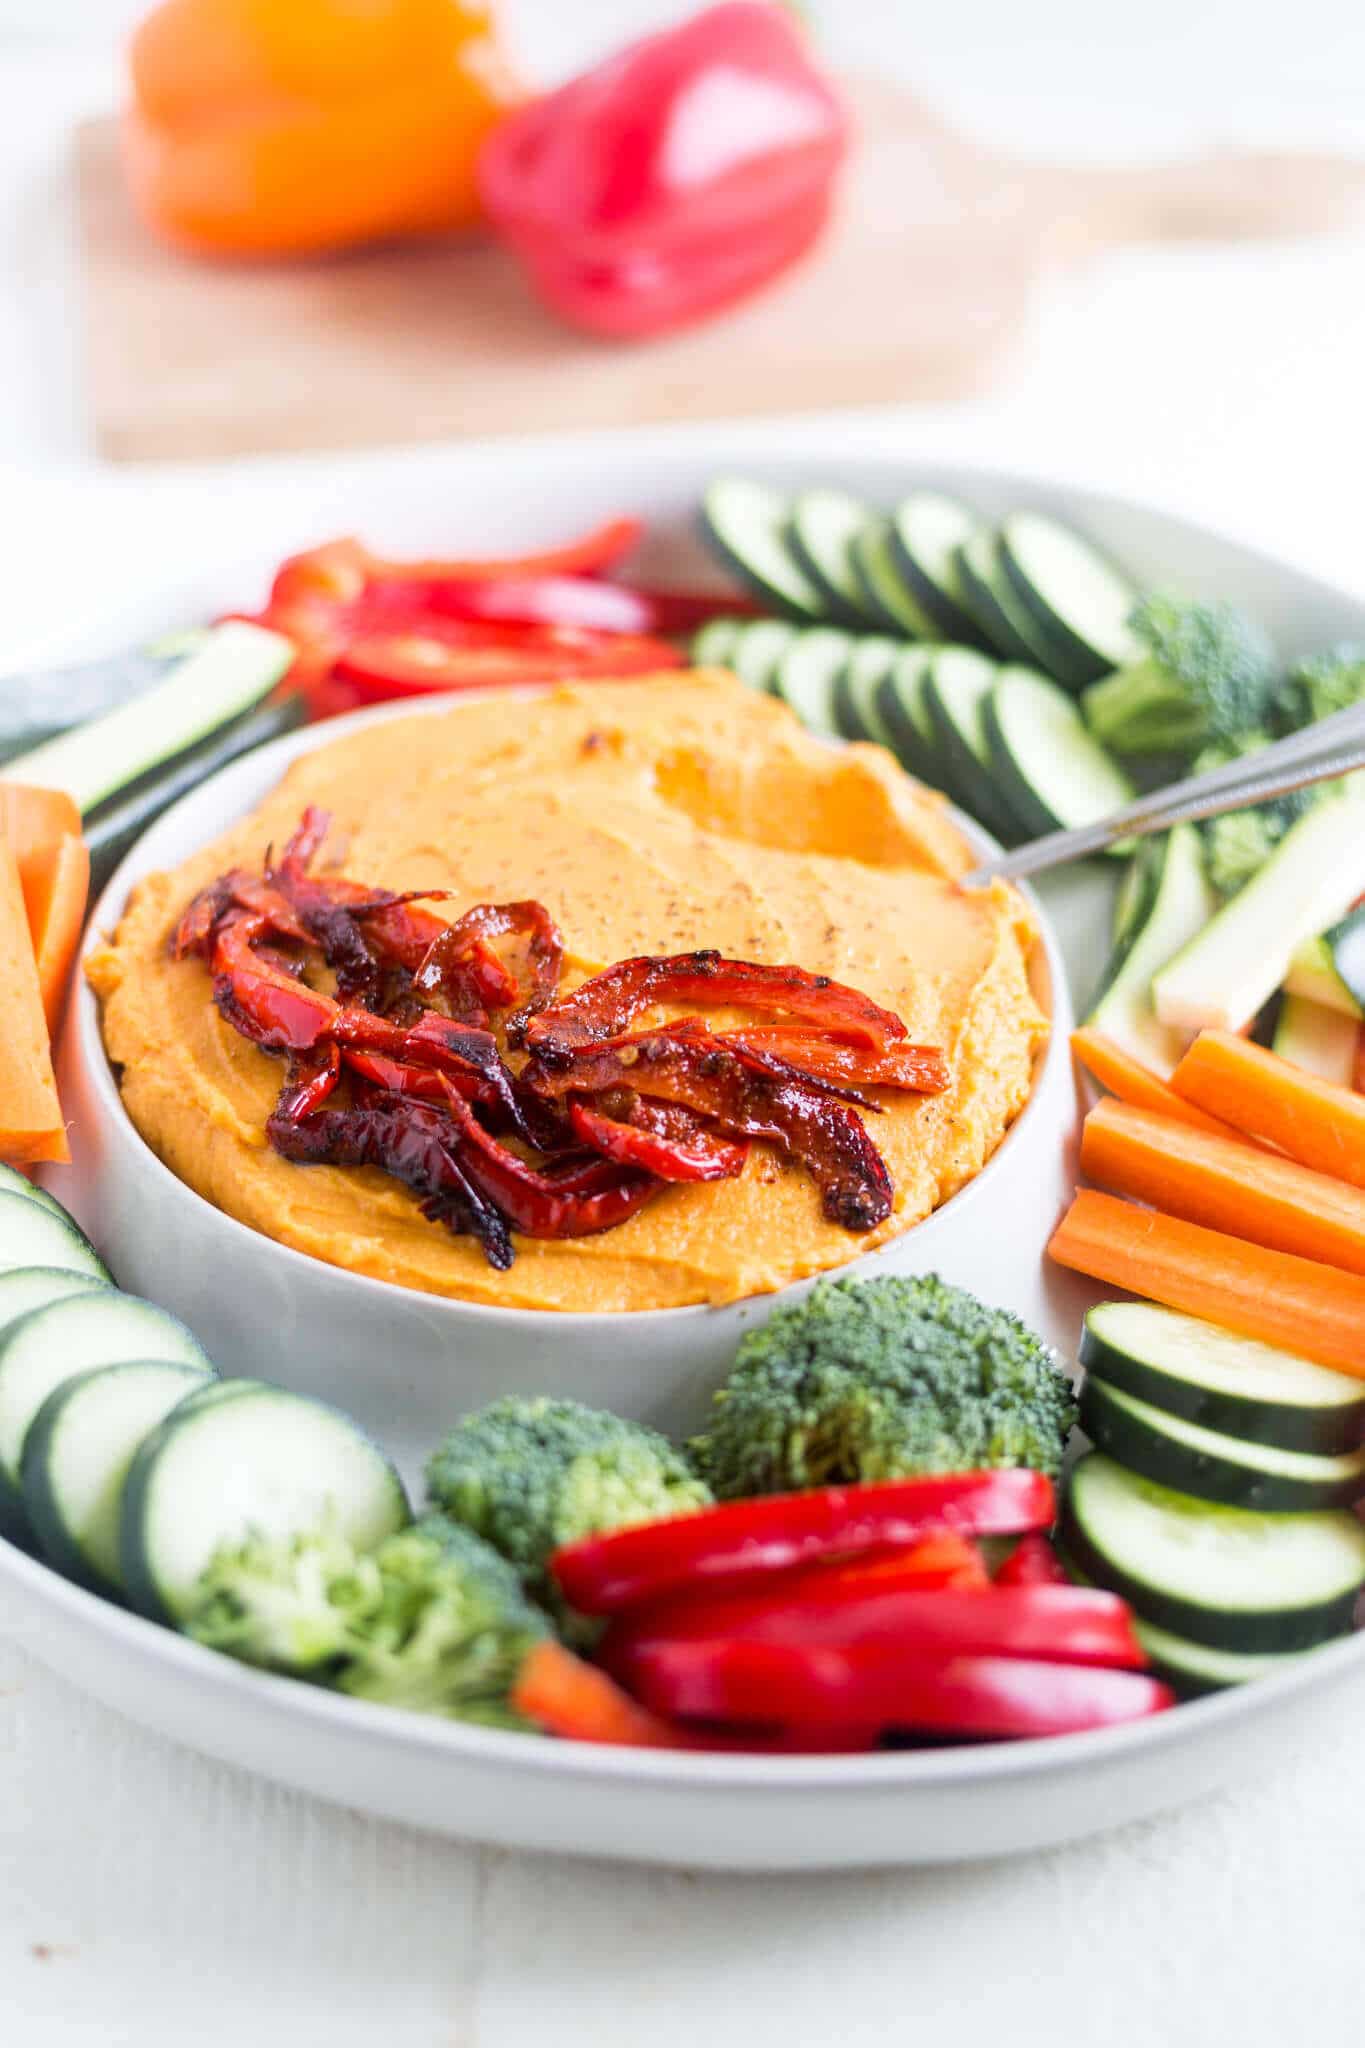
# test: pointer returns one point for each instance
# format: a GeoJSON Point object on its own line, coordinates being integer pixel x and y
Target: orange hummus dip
{"type": "Point", "coordinates": [658, 816]}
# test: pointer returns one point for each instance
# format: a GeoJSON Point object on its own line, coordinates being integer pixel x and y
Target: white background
{"type": "Point", "coordinates": [151, 1899]}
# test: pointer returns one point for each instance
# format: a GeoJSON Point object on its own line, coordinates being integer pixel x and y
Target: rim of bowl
{"type": "Point", "coordinates": [88, 1038]}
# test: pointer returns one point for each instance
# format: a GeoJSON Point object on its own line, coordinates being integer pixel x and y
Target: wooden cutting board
{"type": "Point", "coordinates": [916, 293]}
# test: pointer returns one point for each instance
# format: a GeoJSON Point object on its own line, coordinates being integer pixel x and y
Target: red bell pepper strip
{"type": "Point", "coordinates": [919, 1068]}
{"type": "Point", "coordinates": [1032, 1562]}
{"type": "Point", "coordinates": [898, 1688]}
{"type": "Point", "coordinates": [680, 176]}
{"type": "Point", "coordinates": [728, 1545]}
{"type": "Point", "coordinates": [590, 602]}
{"type": "Point", "coordinates": [341, 569]}
{"type": "Point", "coordinates": [417, 663]}
{"type": "Point", "coordinates": [687, 1153]}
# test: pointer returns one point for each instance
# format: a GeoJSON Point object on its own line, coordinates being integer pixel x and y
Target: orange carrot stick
{"type": "Point", "coordinates": [1359, 1075]}
{"type": "Point", "coordinates": [55, 900]}
{"type": "Point", "coordinates": [32, 822]}
{"type": "Point", "coordinates": [577, 1701]}
{"type": "Point", "coordinates": [1316, 1122]}
{"type": "Point", "coordinates": [1105, 1060]}
{"type": "Point", "coordinates": [1225, 1183]}
{"type": "Point", "coordinates": [31, 1127]}
{"type": "Point", "coordinates": [1315, 1310]}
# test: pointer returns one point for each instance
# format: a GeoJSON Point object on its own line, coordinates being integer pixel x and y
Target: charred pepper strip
{"type": "Point", "coordinates": [311, 1082]}
{"type": "Point", "coordinates": [577, 1202]}
{"type": "Point", "coordinates": [922, 1069]}
{"type": "Point", "coordinates": [662, 1140]}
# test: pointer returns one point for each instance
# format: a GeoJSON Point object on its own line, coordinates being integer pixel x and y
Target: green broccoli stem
{"type": "Point", "coordinates": [1143, 710]}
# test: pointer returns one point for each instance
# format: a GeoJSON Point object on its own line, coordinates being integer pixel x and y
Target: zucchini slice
{"type": "Point", "coordinates": [746, 524]}
{"type": "Point", "coordinates": [233, 668]}
{"type": "Point", "coordinates": [713, 644]}
{"type": "Point", "coordinates": [1322, 1041]}
{"type": "Point", "coordinates": [823, 527]}
{"type": "Point", "coordinates": [1212, 1466]}
{"type": "Point", "coordinates": [1002, 621]}
{"type": "Point", "coordinates": [1331, 969]}
{"type": "Point", "coordinates": [1079, 601]}
{"type": "Point", "coordinates": [955, 691]}
{"type": "Point", "coordinates": [926, 531]}
{"type": "Point", "coordinates": [807, 673]}
{"type": "Point", "coordinates": [759, 649]}
{"type": "Point", "coordinates": [1221, 1381]}
{"type": "Point", "coordinates": [1194, 1669]}
{"type": "Point", "coordinates": [1226, 1577]}
{"type": "Point", "coordinates": [904, 711]}
{"type": "Point", "coordinates": [1182, 903]}
{"type": "Point", "coordinates": [240, 1459]}
{"type": "Point", "coordinates": [887, 598]}
{"type": "Point", "coordinates": [1052, 773]}
{"type": "Point", "coordinates": [855, 693]}
{"type": "Point", "coordinates": [32, 1234]}
{"type": "Point", "coordinates": [76, 1458]}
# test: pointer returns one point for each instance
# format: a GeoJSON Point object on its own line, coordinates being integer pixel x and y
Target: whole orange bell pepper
{"type": "Point", "coordinates": [292, 127]}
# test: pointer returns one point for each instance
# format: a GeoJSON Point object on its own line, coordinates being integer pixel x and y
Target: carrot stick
{"type": "Point", "coordinates": [1317, 1122]}
{"type": "Point", "coordinates": [32, 822]}
{"type": "Point", "coordinates": [1359, 1076]}
{"type": "Point", "coordinates": [31, 1127]}
{"type": "Point", "coordinates": [1105, 1060]}
{"type": "Point", "coordinates": [55, 900]}
{"type": "Point", "coordinates": [1298, 1304]}
{"type": "Point", "coordinates": [577, 1701]}
{"type": "Point", "coordinates": [1225, 1183]}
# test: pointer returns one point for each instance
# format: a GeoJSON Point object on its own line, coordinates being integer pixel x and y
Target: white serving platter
{"type": "Point", "coordinates": [718, 1811]}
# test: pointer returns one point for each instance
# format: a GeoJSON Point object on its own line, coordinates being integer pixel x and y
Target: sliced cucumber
{"type": "Point", "coordinates": [1222, 977]}
{"type": "Point", "coordinates": [714, 644]}
{"type": "Point", "coordinates": [1331, 969]}
{"type": "Point", "coordinates": [1223, 1576]}
{"type": "Point", "coordinates": [855, 694]}
{"type": "Point", "coordinates": [30, 1287]}
{"type": "Point", "coordinates": [807, 673]}
{"type": "Point", "coordinates": [758, 649]}
{"type": "Point", "coordinates": [746, 523]}
{"type": "Point", "coordinates": [261, 1460]}
{"type": "Point", "coordinates": [32, 1234]}
{"type": "Point", "coordinates": [233, 669]}
{"type": "Point", "coordinates": [76, 1457]}
{"type": "Point", "coordinates": [823, 527]}
{"type": "Point", "coordinates": [1211, 1465]}
{"type": "Point", "coordinates": [926, 532]}
{"type": "Point", "coordinates": [1079, 602]}
{"type": "Point", "coordinates": [1323, 1041]}
{"type": "Point", "coordinates": [1052, 773]}
{"type": "Point", "coordinates": [40, 1351]}
{"type": "Point", "coordinates": [1136, 893]}
{"type": "Point", "coordinates": [1001, 619]}
{"type": "Point", "coordinates": [1181, 905]}
{"type": "Point", "coordinates": [1193, 1668]}
{"type": "Point", "coordinates": [12, 1182]}
{"type": "Point", "coordinates": [955, 691]}
{"type": "Point", "coordinates": [901, 703]}
{"type": "Point", "coordinates": [1221, 1381]}
{"type": "Point", "coordinates": [887, 598]}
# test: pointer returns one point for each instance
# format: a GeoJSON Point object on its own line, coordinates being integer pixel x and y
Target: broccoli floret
{"type": "Point", "coordinates": [434, 1619]}
{"type": "Point", "coordinates": [878, 1379]}
{"type": "Point", "coordinates": [1207, 675]}
{"type": "Point", "coordinates": [1239, 843]}
{"type": "Point", "coordinates": [532, 1475]}
{"type": "Point", "coordinates": [1323, 684]}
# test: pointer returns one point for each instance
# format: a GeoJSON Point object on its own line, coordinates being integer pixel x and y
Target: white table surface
{"type": "Point", "coordinates": [150, 1898]}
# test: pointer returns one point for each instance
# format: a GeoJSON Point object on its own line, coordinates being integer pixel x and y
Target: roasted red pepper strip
{"type": "Point", "coordinates": [577, 1202]}
{"type": "Point", "coordinates": [728, 1545]}
{"type": "Point", "coordinates": [414, 663]}
{"type": "Point", "coordinates": [689, 1153]}
{"type": "Point", "coordinates": [891, 1687]}
{"type": "Point", "coordinates": [1032, 1562]}
{"type": "Point", "coordinates": [310, 1084]}
{"type": "Point", "coordinates": [605, 1005]}
{"type": "Point", "coordinates": [922, 1069]}
{"type": "Point", "coordinates": [826, 1135]}
{"type": "Point", "coordinates": [461, 964]}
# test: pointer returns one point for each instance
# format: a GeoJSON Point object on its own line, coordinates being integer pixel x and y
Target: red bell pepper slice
{"type": "Point", "coordinates": [685, 1152]}
{"type": "Point", "coordinates": [886, 1687]}
{"type": "Point", "coordinates": [414, 664]}
{"type": "Point", "coordinates": [342, 569]}
{"type": "Point", "coordinates": [1032, 1562]}
{"type": "Point", "coordinates": [728, 1545]}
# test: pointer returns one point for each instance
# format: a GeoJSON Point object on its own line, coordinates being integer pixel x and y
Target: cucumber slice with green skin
{"type": "Point", "coordinates": [746, 524]}
{"type": "Point", "coordinates": [887, 598]}
{"type": "Point", "coordinates": [1322, 1041]}
{"type": "Point", "coordinates": [1003, 623]}
{"type": "Point", "coordinates": [1195, 1669]}
{"type": "Point", "coordinates": [955, 691]}
{"type": "Point", "coordinates": [76, 1458]}
{"type": "Point", "coordinates": [872, 660]}
{"type": "Point", "coordinates": [714, 645]}
{"type": "Point", "coordinates": [234, 668]}
{"type": "Point", "coordinates": [807, 673]}
{"type": "Point", "coordinates": [1331, 969]}
{"type": "Point", "coordinates": [1224, 976]}
{"type": "Point", "coordinates": [926, 532]}
{"type": "Point", "coordinates": [1136, 893]}
{"type": "Point", "coordinates": [12, 1182]}
{"type": "Point", "coordinates": [34, 1234]}
{"type": "Point", "coordinates": [1211, 1465]}
{"type": "Point", "coordinates": [823, 527]}
{"type": "Point", "coordinates": [1221, 1381]}
{"type": "Point", "coordinates": [253, 1460]}
{"type": "Point", "coordinates": [30, 1287]}
{"type": "Point", "coordinates": [1227, 1577]}
{"type": "Point", "coordinates": [40, 1351]}
{"type": "Point", "coordinates": [904, 711]}
{"type": "Point", "coordinates": [1078, 600]}
{"type": "Point", "coordinates": [758, 650]}
{"type": "Point", "coordinates": [1052, 773]}
{"type": "Point", "coordinates": [1182, 903]}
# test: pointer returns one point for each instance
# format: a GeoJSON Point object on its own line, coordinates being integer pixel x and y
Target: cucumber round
{"type": "Point", "coordinates": [758, 650]}
{"type": "Point", "coordinates": [901, 704]}
{"type": "Point", "coordinates": [888, 600]}
{"type": "Point", "coordinates": [1193, 1668]}
{"type": "Point", "coordinates": [1221, 1381]}
{"type": "Point", "coordinates": [48, 1346]}
{"type": "Point", "coordinates": [30, 1287]}
{"type": "Point", "coordinates": [855, 692]}
{"type": "Point", "coordinates": [746, 524]}
{"type": "Point", "coordinates": [1226, 1577]}
{"type": "Point", "coordinates": [33, 1234]}
{"type": "Point", "coordinates": [1201, 1461]}
{"type": "Point", "coordinates": [76, 1458]}
{"type": "Point", "coordinates": [1053, 773]}
{"type": "Point", "coordinates": [1001, 620]}
{"type": "Point", "coordinates": [807, 673]}
{"type": "Point", "coordinates": [1077, 600]}
{"type": "Point", "coordinates": [823, 527]}
{"type": "Point", "coordinates": [924, 536]}
{"type": "Point", "coordinates": [12, 1182]}
{"type": "Point", "coordinates": [244, 1459]}
{"type": "Point", "coordinates": [714, 645]}
{"type": "Point", "coordinates": [955, 692]}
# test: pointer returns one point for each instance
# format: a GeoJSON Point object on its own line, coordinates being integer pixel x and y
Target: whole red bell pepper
{"type": "Point", "coordinates": [677, 177]}
{"type": "Point", "coordinates": [728, 1545]}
